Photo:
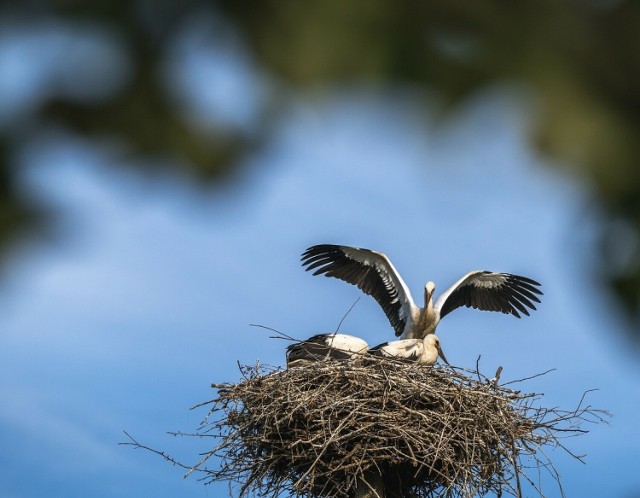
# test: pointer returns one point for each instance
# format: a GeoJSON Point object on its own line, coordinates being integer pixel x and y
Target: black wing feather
{"type": "Point", "coordinates": [332, 261]}
{"type": "Point", "coordinates": [513, 295]}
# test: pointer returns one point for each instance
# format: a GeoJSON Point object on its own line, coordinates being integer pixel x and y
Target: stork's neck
{"type": "Point", "coordinates": [428, 299]}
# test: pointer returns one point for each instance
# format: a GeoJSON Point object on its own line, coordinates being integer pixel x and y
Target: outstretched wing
{"type": "Point", "coordinates": [371, 272]}
{"type": "Point", "coordinates": [489, 291]}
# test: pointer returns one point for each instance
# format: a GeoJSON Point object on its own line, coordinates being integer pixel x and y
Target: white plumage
{"type": "Point", "coordinates": [425, 350]}
{"type": "Point", "coordinates": [373, 273]}
{"type": "Point", "coordinates": [326, 346]}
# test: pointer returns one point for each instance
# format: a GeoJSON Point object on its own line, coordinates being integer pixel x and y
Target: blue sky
{"type": "Point", "coordinates": [147, 295]}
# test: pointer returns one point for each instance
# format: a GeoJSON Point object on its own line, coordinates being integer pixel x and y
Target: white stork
{"type": "Point", "coordinates": [322, 346]}
{"type": "Point", "coordinates": [424, 350]}
{"type": "Point", "coordinates": [373, 273]}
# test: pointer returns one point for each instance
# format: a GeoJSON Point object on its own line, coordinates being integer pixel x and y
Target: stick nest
{"type": "Point", "coordinates": [325, 429]}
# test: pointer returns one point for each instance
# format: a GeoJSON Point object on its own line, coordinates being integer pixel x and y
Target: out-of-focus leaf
{"type": "Point", "coordinates": [578, 58]}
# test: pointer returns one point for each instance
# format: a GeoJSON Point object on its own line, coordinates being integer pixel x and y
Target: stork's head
{"type": "Point", "coordinates": [433, 341]}
{"type": "Point", "coordinates": [429, 289]}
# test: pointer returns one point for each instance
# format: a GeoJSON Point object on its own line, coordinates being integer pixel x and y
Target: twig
{"type": "Point", "coordinates": [518, 381]}
{"type": "Point", "coordinates": [347, 314]}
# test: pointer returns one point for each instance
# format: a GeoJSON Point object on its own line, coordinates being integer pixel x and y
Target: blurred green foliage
{"type": "Point", "coordinates": [580, 58]}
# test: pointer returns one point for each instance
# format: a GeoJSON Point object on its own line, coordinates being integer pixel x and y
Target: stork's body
{"type": "Point", "coordinates": [426, 350]}
{"type": "Point", "coordinates": [373, 273]}
{"type": "Point", "coordinates": [326, 346]}
{"type": "Point", "coordinates": [424, 320]}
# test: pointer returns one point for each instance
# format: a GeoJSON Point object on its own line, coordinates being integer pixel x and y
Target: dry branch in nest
{"type": "Point", "coordinates": [325, 429]}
